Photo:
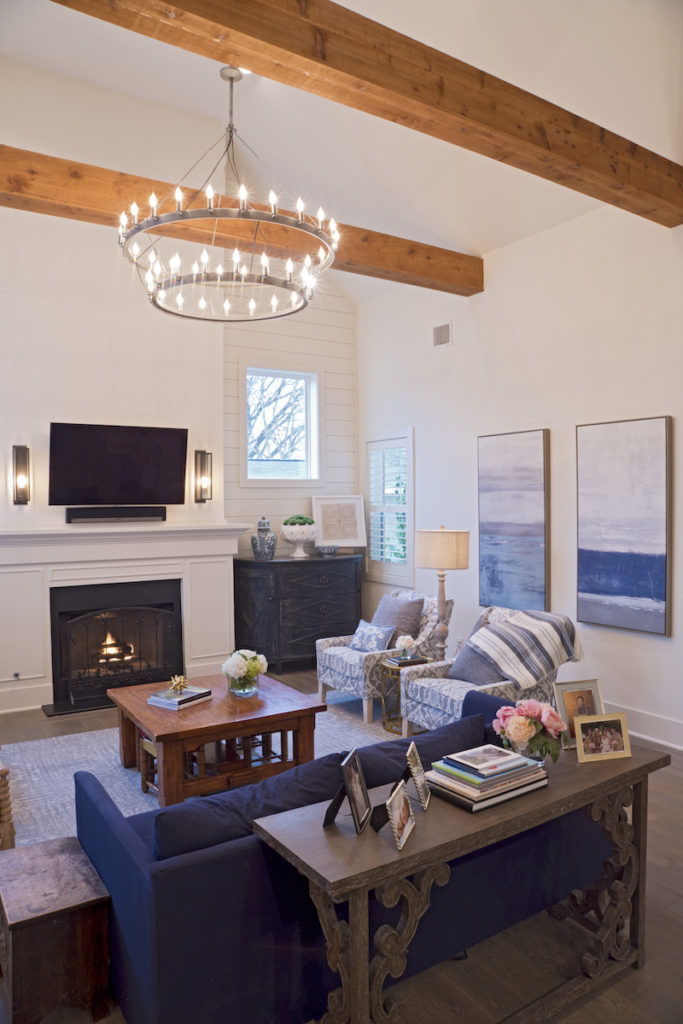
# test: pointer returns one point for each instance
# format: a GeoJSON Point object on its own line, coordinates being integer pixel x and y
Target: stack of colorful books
{"type": "Point", "coordinates": [484, 776]}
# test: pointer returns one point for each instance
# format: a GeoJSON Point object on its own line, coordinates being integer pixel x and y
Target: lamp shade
{"type": "Point", "coordinates": [442, 549]}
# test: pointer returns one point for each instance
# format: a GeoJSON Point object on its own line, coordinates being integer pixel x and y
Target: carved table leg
{"type": "Point", "coordinates": [611, 908]}
{"type": "Point", "coordinates": [6, 820]}
{"type": "Point", "coordinates": [360, 999]}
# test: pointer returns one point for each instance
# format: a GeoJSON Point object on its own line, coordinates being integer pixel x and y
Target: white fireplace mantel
{"type": "Point", "coordinates": [34, 561]}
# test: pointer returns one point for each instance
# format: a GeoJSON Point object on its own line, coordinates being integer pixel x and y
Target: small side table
{"type": "Point", "coordinates": [391, 704]}
{"type": "Point", "coordinates": [54, 942]}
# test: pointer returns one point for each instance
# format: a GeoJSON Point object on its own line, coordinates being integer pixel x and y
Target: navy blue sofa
{"type": "Point", "coordinates": [208, 924]}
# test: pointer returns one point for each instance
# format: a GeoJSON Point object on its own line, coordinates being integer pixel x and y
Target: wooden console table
{"type": "Point", "coordinates": [344, 868]}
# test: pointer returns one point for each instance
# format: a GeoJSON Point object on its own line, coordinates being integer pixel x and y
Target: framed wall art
{"type": "Point", "coordinates": [514, 541]}
{"type": "Point", "coordinates": [624, 524]}
{"type": "Point", "coordinates": [339, 520]}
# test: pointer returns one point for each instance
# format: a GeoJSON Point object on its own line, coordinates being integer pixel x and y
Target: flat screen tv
{"type": "Point", "coordinates": [95, 464]}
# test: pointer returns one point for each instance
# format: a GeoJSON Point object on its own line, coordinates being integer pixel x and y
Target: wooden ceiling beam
{"type": "Point", "coordinates": [323, 48]}
{"type": "Point", "coordinates": [64, 188]}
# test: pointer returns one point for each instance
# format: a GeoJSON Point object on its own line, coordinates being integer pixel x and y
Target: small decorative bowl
{"type": "Point", "coordinates": [327, 550]}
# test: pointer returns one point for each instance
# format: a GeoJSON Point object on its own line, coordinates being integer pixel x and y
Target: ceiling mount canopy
{"type": "Point", "coordinates": [275, 260]}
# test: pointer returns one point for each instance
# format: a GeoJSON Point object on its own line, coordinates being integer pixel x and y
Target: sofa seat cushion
{"type": "Point", "coordinates": [206, 821]}
{"type": "Point", "coordinates": [443, 694]}
{"type": "Point", "coordinates": [383, 762]}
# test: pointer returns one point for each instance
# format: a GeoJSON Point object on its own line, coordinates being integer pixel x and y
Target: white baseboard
{"type": "Point", "coordinates": [652, 728]}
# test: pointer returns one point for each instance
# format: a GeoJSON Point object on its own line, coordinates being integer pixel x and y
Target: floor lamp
{"type": "Point", "coordinates": [442, 550]}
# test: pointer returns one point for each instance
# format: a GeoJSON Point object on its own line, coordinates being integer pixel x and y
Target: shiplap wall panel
{"type": "Point", "coordinates": [322, 339]}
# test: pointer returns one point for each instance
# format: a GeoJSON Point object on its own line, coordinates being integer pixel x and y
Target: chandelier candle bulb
{"type": "Point", "coordinates": [235, 260]}
{"type": "Point", "coordinates": [226, 307]}
{"type": "Point", "coordinates": [209, 197]}
{"type": "Point", "coordinates": [290, 270]}
{"type": "Point", "coordinates": [153, 205]}
{"type": "Point", "coordinates": [195, 269]}
{"type": "Point", "coordinates": [219, 271]}
{"type": "Point", "coordinates": [252, 307]}
{"type": "Point", "coordinates": [134, 212]}
{"type": "Point", "coordinates": [178, 200]}
{"type": "Point", "coordinates": [204, 260]}
{"type": "Point", "coordinates": [202, 303]}
{"type": "Point", "coordinates": [300, 208]}
{"type": "Point", "coordinates": [242, 196]}
{"type": "Point", "coordinates": [273, 303]}
{"type": "Point", "coordinates": [321, 217]}
{"type": "Point", "coordinates": [272, 199]}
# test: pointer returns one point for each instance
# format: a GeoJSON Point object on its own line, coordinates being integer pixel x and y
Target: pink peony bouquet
{"type": "Point", "coordinates": [531, 725]}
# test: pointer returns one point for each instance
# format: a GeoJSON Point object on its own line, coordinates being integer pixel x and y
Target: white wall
{"type": "Point", "coordinates": [79, 340]}
{"type": "Point", "coordinates": [580, 324]}
{"type": "Point", "coordinates": [321, 339]}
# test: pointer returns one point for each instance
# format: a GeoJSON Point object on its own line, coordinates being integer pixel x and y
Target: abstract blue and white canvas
{"type": "Point", "coordinates": [623, 524]}
{"type": "Point", "coordinates": [513, 520]}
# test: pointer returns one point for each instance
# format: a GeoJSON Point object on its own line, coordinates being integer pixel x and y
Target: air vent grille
{"type": "Point", "coordinates": [443, 335]}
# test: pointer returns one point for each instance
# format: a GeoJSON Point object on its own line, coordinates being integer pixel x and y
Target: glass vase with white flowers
{"type": "Point", "coordinates": [405, 644]}
{"type": "Point", "coordinates": [243, 669]}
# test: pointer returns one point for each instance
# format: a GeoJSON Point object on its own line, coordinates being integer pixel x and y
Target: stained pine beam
{"type": "Point", "coordinates": [325, 49]}
{"type": "Point", "coordinates": [64, 188]}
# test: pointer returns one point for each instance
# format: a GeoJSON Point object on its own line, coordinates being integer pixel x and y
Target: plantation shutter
{"type": "Point", "coordinates": [389, 506]}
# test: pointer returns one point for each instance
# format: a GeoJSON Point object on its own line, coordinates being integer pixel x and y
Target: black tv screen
{"type": "Point", "coordinates": [94, 464]}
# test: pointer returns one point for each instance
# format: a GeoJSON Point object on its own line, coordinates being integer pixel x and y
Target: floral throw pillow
{"type": "Point", "coordinates": [371, 638]}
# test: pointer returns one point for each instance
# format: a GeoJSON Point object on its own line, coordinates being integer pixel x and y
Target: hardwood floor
{"type": "Point", "coordinates": [511, 969]}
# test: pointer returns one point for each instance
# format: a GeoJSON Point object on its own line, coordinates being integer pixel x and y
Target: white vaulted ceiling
{"type": "Point", "coordinates": [585, 56]}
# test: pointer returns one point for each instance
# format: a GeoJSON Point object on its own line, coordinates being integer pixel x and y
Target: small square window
{"type": "Point", "coordinates": [282, 425]}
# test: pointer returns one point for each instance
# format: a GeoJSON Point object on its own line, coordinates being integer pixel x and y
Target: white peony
{"type": "Point", "coordinates": [262, 663]}
{"type": "Point", "coordinates": [235, 666]}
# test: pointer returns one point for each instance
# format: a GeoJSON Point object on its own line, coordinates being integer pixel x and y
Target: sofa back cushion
{"type": "Point", "coordinates": [210, 820]}
{"type": "Point", "coordinates": [384, 762]}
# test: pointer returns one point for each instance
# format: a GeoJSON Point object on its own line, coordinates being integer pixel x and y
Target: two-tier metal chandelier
{"type": "Point", "coordinates": [218, 256]}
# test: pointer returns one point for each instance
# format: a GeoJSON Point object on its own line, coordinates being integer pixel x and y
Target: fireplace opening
{"type": "Point", "coordinates": [110, 635]}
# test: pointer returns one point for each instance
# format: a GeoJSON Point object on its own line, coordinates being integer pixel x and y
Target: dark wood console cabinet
{"type": "Point", "coordinates": [284, 605]}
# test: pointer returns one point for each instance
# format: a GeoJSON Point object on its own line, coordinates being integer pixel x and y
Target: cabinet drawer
{"type": "Point", "coordinates": [319, 578]}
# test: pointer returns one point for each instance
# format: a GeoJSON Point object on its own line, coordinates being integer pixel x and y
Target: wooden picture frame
{"type": "Point", "coordinates": [339, 520]}
{"type": "Point", "coordinates": [623, 476]}
{"type": "Point", "coordinates": [356, 790]}
{"type": "Point", "coordinates": [418, 776]}
{"type": "Point", "coordinates": [579, 697]}
{"type": "Point", "coordinates": [514, 519]}
{"type": "Point", "coordinates": [609, 732]}
{"type": "Point", "coordinates": [401, 815]}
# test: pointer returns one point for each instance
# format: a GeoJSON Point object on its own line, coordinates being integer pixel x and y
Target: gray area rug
{"type": "Point", "coordinates": [41, 772]}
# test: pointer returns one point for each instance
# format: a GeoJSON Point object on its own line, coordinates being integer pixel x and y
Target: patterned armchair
{"type": "Point", "coordinates": [340, 667]}
{"type": "Point", "coordinates": [431, 696]}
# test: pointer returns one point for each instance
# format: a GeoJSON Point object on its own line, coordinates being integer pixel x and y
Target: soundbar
{"type": "Point", "coordinates": [117, 514]}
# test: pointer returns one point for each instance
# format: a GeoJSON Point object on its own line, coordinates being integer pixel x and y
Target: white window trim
{"type": "Point", "coordinates": [390, 572]}
{"type": "Point", "coordinates": [277, 363]}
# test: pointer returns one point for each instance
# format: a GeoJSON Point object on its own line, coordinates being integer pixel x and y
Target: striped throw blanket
{"type": "Point", "coordinates": [526, 647]}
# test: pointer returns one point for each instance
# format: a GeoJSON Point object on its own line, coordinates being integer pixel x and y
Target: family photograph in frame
{"type": "Point", "coordinates": [602, 737]}
{"type": "Point", "coordinates": [356, 790]}
{"type": "Point", "coordinates": [417, 772]}
{"type": "Point", "coordinates": [577, 698]}
{"type": "Point", "coordinates": [401, 814]}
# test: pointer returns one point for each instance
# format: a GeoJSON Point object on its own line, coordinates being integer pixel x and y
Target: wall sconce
{"type": "Point", "coordinates": [202, 476]}
{"type": "Point", "coordinates": [21, 474]}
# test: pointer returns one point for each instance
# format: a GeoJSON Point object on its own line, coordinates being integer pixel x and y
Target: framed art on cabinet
{"type": "Point", "coordinates": [624, 524]}
{"type": "Point", "coordinates": [339, 520]}
{"type": "Point", "coordinates": [514, 567]}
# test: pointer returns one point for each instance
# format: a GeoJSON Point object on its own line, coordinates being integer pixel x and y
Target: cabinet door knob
{"type": "Point", "coordinates": [324, 609]}
{"type": "Point", "coordinates": [324, 578]}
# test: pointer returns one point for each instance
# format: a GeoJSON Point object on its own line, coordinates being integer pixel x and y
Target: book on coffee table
{"type": "Point", "coordinates": [171, 699]}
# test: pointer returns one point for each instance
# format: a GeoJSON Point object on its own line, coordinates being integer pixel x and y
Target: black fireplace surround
{"type": "Point", "coordinates": [109, 635]}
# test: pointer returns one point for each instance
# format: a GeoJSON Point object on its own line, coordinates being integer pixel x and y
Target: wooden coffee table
{"type": "Point", "coordinates": [232, 723]}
